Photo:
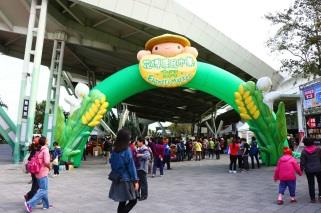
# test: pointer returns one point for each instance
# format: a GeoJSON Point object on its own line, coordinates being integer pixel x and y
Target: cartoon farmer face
{"type": "Point", "coordinates": [167, 45]}
{"type": "Point", "coordinates": [168, 49]}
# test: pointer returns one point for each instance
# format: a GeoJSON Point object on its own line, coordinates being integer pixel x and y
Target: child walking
{"type": "Point", "coordinates": [285, 172]}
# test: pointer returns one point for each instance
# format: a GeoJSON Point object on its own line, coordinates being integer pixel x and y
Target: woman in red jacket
{"type": "Point", "coordinates": [285, 172]}
{"type": "Point", "coordinates": [233, 149]}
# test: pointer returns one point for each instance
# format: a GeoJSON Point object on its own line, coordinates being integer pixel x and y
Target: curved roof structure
{"type": "Point", "coordinates": [104, 37]}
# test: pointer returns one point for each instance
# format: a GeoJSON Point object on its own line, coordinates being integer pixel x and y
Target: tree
{"type": "Point", "coordinates": [179, 129]}
{"type": "Point", "coordinates": [39, 117]}
{"type": "Point", "coordinates": [299, 34]}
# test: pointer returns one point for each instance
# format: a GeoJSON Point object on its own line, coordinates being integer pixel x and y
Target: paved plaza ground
{"type": "Point", "coordinates": [191, 187]}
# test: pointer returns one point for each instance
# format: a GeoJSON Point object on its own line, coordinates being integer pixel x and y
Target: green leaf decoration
{"type": "Point", "coordinates": [281, 122]}
{"type": "Point", "coordinates": [75, 133]}
{"type": "Point", "coordinates": [60, 125]}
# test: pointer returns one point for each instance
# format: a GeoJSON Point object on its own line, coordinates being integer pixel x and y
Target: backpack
{"type": "Point", "coordinates": [57, 153]}
{"type": "Point", "coordinates": [34, 166]}
{"type": "Point", "coordinates": [167, 151]}
{"type": "Point", "coordinates": [253, 149]}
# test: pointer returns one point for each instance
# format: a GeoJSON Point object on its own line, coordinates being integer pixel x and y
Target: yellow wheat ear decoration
{"type": "Point", "coordinates": [95, 113]}
{"type": "Point", "coordinates": [245, 104]}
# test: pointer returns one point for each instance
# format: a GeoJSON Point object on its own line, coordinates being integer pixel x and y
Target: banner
{"type": "Point", "coordinates": [168, 72]}
{"type": "Point", "coordinates": [313, 124]}
{"type": "Point", "coordinates": [312, 96]}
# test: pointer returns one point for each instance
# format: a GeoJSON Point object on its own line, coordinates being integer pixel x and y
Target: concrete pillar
{"type": "Point", "coordinates": [300, 115]}
{"type": "Point", "coordinates": [53, 92]}
{"type": "Point", "coordinates": [28, 93]}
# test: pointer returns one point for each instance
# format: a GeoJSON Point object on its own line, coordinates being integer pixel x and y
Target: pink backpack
{"type": "Point", "coordinates": [34, 165]}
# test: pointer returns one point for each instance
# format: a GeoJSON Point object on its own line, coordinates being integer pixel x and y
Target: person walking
{"type": "Point", "coordinates": [180, 150]}
{"type": "Point", "coordinates": [189, 150]}
{"type": "Point", "coordinates": [245, 154]}
{"type": "Point", "coordinates": [123, 173]}
{"type": "Point", "coordinates": [217, 148]}
{"type": "Point", "coordinates": [204, 147]}
{"type": "Point", "coordinates": [33, 148]}
{"type": "Point", "coordinates": [310, 163]}
{"type": "Point", "coordinates": [254, 153]}
{"type": "Point", "coordinates": [151, 159]}
{"type": "Point", "coordinates": [233, 149]}
{"type": "Point", "coordinates": [285, 172]}
{"type": "Point", "coordinates": [143, 157]}
{"type": "Point", "coordinates": [56, 155]}
{"type": "Point", "coordinates": [42, 177]}
{"type": "Point", "coordinates": [198, 150]}
{"type": "Point", "coordinates": [108, 145]}
{"type": "Point", "coordinates": [167, 154]}
{"type": "Point", "coordinates": [158, 153]}
{"type": "Point", "coordinates": [211, 147]}
{"type": "Point", "coordinates": [240, 154]}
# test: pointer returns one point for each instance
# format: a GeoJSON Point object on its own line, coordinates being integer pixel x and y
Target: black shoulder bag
{"type": "Point", "coordinates": [114, 176]}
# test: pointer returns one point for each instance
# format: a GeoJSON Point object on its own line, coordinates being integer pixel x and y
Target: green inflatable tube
{"type": "Point", "coordinates": [242, 96]}
{"type": "Point", "coordinates": [210, 79]}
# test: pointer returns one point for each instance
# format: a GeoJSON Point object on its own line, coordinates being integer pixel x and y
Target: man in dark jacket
{"type": "Point", "coordinates": [254, 153]}
{"type": "Point", "coordinates": [310, 162]}
{"type": "Point", "coordinates": [108, 146]}
{"type": "Point", "coordinates": [143, 156]}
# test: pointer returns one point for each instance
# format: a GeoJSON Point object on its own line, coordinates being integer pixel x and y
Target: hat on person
{"type": "Point", "coordinates": [166, 38]}
{"type": "Point", "coordinates": [287, 151]}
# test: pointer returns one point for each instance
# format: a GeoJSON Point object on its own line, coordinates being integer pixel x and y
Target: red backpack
{"type": "Point", "coordinates": [33, 166]}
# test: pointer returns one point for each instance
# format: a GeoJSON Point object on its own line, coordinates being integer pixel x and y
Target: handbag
{"type": "Point", "coordinates": [114, 176]}
{"type": "Point", "coordinates": [55, 161]}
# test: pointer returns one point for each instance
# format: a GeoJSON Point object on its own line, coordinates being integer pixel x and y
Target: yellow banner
{"type": "Point", "coordinates": [168, 72]}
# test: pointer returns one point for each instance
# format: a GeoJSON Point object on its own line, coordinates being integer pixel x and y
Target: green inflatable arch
{"type": "Point", "coordinates": [210, 79]}
{"type": "Point", "coordinates": [269, 128]}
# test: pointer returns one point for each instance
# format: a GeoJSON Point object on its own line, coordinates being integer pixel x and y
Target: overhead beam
{"type": "Point", "coordinates": [157, 118]}
{"type": "Point", "coordinates": [11, 41]}
{"type": "Point", "coordinates": [129, 34]}
{"type": "Point", "coordinates": [161, 110]}
{"type": "Point", "coordinates": [93, 34]}
{"type": "Point", "coordinates": [77, 58]}
{"type": "Point", "coordinates": [157, 96]}
{"type": "Point", "coordinates": [121, 22]}
{"type": "Point", "coordinates": [111, 54]}
{"type": "Point", "coordinates": [101, 22]}
{"type": "Point", "coordinates": [71, 6]}
{"type": "Point", "coordinates": [70, 12]}
{"type": "Point", "coordinates": [6, 20]}
{"type": "Point", "coordinates": [152, 114]}
{"type": "Point", "coordinates": [25, 4]}
{"type": "Point", "coordinates": [3, 49]}
{"type": "Point", "coordinates": [179, 94]}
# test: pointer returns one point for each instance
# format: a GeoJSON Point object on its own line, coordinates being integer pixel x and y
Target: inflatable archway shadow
{"type": "Point", "coordinates": [210, 79]}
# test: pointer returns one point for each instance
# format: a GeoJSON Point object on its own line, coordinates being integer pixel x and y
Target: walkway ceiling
{"type": "Point", "coordinates": [102, 43]}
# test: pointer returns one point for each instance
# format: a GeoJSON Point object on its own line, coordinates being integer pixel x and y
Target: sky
{"type": "Point", "coordinates": [242, 21]}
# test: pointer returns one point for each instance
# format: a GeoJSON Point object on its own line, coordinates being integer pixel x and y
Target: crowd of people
{"type": "Point", "coordinates": [132, 160]}
{"type": "Point", "coordinates": [239, 151]}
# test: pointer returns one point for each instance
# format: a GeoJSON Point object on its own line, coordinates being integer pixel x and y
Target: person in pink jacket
{"type": "Point", "coordinates": [285, 172]}
{"type": "Point", "coordinates": [42, 177]}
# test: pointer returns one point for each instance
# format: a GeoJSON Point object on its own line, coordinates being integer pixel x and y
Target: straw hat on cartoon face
{"type": "Point", "coordinates": [167, 45]}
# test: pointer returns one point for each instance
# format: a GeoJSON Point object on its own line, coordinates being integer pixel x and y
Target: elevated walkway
{"type": "Point", "coordinates": [7, 128]}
